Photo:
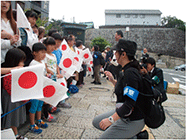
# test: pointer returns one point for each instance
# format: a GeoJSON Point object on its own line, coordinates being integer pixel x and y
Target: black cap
{"type": "Point", "coordinates": [127, 46]}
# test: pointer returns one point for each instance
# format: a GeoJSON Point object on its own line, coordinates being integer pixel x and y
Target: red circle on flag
{"type": "Point", "coordinates": [78, 52]}
{"type": "Point", "coordinates": [63, 84]}
{"type": "Point", "coordinates": [76, 58]}
{"type": "Point", "coordinates": [86, 55]}
{"type": "Point", "coordinates": [27, 80]}
{"type": "Point", "coordinates": [64, 47]}
{"type": "Point", "coordinates": [91, 62]}
{"type": "Point", "coordinates": [89, 69]}
{"type": "Point", "coordinates": [67, 62]}
{"type": "Point", "coordinates": [49, 91]}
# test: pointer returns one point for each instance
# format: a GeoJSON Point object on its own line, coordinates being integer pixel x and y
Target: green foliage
{"type": "Point", "coordinates": [56, 24]}
{"type": "Point", "coordinates": [43, 22]}
{"type": "Point", "coordinates": [173, 22]}
{"type": "Point", "coordinates": [101, 42]}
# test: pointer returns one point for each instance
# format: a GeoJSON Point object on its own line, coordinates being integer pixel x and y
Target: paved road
{"type": "Point", "coordinates": [173, 76]}
{"type": "Point", "coordinates": [76, 123]}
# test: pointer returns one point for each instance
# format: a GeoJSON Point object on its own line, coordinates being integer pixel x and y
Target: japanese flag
{"type": "Point", "coordinates": [22, 20]}
{"type": "Point", "coordinates": [87, 57]}
{"type": "Point", "coordinates": [67, 64]}
{"type": "Point", "coordinates": [26, 83]}
{"type": "Point", "coordinates": [89, 69]}
{"type": "Point", "coordinates": [53, 92]}
{"type": "Point", "coordinates": [64, 46]}
{"type": "Point", "coordinates": [62, 81]}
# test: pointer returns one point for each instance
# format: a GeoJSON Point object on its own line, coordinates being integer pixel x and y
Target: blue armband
{"type": "Point", "coordinates": [131, 92]}
{"type": "Point", "coordinates": [156, 79]}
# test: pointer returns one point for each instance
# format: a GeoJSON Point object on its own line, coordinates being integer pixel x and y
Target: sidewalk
{"type": "Point", "coordinates": [91, 100]}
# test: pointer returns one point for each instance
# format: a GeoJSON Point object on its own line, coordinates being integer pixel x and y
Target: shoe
{"type": "Point", "coordinates": [143, 135]}
{"type": "Point", "coordinates": [93, 82]}
{"type": "Point", "coordinates": [64, 105]}
{"type": "Point", "coordinates": [54, 110]}
{"type": "Point", "coordinates": [97, 83]}
{"type": "Point", "coordinates": [51, 118]}
{"type": "Point", "coordinates": [35, 129]}
{"type": "Point", "coordinates": [21, 137]}
{"type": "Point", "coordinates": [42, 124]}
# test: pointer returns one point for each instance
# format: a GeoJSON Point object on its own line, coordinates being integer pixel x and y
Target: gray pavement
{"type": "Point", "coordinates": [91, 100]}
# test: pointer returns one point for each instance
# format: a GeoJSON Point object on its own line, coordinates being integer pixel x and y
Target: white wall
{"type": "Point", "coordinates": [148, 20]}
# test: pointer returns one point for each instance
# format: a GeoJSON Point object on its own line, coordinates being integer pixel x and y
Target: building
{"type": "Point", "coordinates": [90, 25]}
{"type": "Point", "coordinates": [40, 7]}
{"type": "Point", "coordinates": [133, 17]}
{"type": "Point", "coordinates": [78, 30]}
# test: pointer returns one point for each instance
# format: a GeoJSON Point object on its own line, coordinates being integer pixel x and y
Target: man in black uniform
{"type": "Point", "coordinates": [156, 76]}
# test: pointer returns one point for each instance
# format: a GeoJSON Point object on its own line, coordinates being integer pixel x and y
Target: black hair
{"type": "Point", "coordinates": [49, 41]}
{"type": "Point", "coordinates": [30, 13]}
{"type": "Point", "coordinates": [38, 47]}
{"type": "Point", "coordinates": [13, 57]}
{"type": "Point", "coordinates": [51, 31]}
{"type": "Point", "coordinates": [119, 32]}
{"type": "Point", "coordinates": [96, 47]}
{"type": "Point", "coordinates": [56, 36]}
{"type": "Point", "coordinates": [151, 61]}
{"type": "Point", "coordinates": [133, 62]}
{"type": "Point", "coordinates": [78, 43]}
{"type": "Point", "coordinates": [70, 37]}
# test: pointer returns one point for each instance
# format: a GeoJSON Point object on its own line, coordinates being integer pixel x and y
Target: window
{"type": "Point", "coordinates": [142, 16]}
{"type": "Point", "coordinates": [127, 16]}
{"type": "Point", "coordinates": [135, 16]}
{"type": "Point", "coordinates": [118, 15]}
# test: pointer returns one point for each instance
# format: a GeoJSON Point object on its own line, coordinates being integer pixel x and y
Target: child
{"type": "Point", "coordinates": [58, 54]}
{"type": "Point", "coordinates": [14, 58]}
{"type": "Point", "coordinates": [51, 65]}
{"type": "Point", "coordinates": [39, 53]}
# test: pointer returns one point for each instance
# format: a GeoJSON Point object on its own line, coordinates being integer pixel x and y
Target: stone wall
{"type": "Point", "coordinates": [165, 41]}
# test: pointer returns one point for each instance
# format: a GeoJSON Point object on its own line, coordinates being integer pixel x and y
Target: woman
{"type": "Point", "coordinates": [126, 120]}
{"type": "Point", "coordinates": [9, 37]}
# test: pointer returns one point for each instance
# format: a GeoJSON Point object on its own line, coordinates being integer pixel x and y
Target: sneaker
{"type": "Point", "coordinates": [54, 110]}
{"type": "Point", "coordinates": [51, 118]}
{"type": "Point", "coordinates": [64, 105]}
{"type": "Point", "coordinates": [93, 82]}
{"type": "Point", "coordinates": [42, 124]}
{"type": "Point", "coordinates": [35, 129]}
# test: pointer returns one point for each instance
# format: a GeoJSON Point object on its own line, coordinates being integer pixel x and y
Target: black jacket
{"type": "Point", "coordinates": [158, 85]}
{"type": "Point", "coordinates": [129, 76]}
{"type": "Point", "coordinates": [96, 58]}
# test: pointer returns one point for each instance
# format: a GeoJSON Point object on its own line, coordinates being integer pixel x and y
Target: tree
{"type": "Point", "coordinates": [173, 22]}
{"type": "Point", "coordinates": [44, 22]}
{"type": "Point", "coordinates": [101, 42]}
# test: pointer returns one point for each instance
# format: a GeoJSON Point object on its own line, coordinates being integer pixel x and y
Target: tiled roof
{"type": "Point", "coordinates": [133, 12]}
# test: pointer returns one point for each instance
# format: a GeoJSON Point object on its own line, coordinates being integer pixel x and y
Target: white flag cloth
{"type": "Point", "coordinates": [26, 83]}
{"type": "Point", "coordinates": [53, 92]}
{"type": "Point", "coordinates": [87, 57]}
{"type": "Point", "coordinates": [89, 69]}
{"type": "Point", "coordinates": [22, 20]}
{"type": "Point", "coordinates": [64, 46]}
{"type": "Point", "coordinates": [62, 81]}
{"type": "Point", "coordinates": [66, 64]}
{"type": "Point", "coordinates": [114, 61]}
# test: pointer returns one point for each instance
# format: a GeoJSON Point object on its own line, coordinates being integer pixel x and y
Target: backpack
{"type": "Point", "coordinates": [102, 60]}
{"type": "Point", "coordinates": [73, 89]}
{"type": "Point", "coordinates": [151, 107]}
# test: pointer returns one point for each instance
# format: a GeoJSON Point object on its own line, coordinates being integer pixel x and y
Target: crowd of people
{"type": "Point", "coordinates": [26, 47]}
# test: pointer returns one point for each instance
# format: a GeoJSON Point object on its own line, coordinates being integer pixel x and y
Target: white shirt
{"type": "Point", "coordinates": [34, 62]}
{"type": "Point", "coordinates": [6, 44]}
{"type": "Point", "coordinates": [51, 62]}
